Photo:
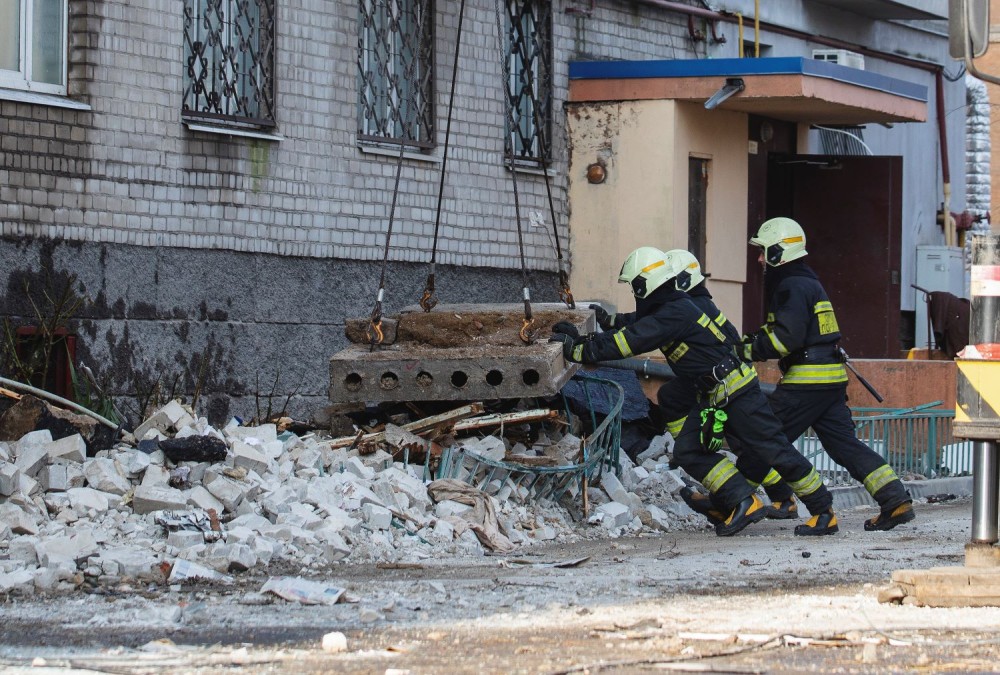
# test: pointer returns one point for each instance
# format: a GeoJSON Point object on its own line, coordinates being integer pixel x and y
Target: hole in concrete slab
{"type": "Point", "coordinates": [425, 379]}
{"type": "Point", "coordinates": [352, 382]}
{"type": "Point", "coordinates": [389, 380]}
{"type": "Point", "coordinates": [459, 379]}
{"type": "Point", "coordinates": [530, 377]}
{"type": "Point", "coordinates": [494, 378]}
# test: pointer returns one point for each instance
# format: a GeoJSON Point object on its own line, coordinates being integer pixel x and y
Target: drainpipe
{"type": "Point", "coordinates": [949, 222]}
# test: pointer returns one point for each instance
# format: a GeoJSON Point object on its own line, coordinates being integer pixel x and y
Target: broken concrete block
{"type": "Point", "coordinates": [128, 562]}
{"type": "Point", "coordinates": [227, 491]}
{"type": "Point", "coordinates": [158, 422]}
{"type": "Point", "coordinates": [613, 487]}
{"type": "Point", "coordinates": [201, 498]}
{"type": "Point", "coordinates": [39, 438]}
{"type": "Point", "coordinates": [376, 517]}
{"type": "Point", "coordinates": [259, 435]}
{"type": "Point", "coordinates": [53, 478]}
{"type": "Point", "coordinates": [133, 463]}
{"type": "Point", "coordinates": [70, 449]}
{"type": "Point", "coordinates": [249, 457]}
{"type": "Point", "coordinates": [22, 581]}
{"type": "Point", "coordinates": [241, 557]}
{"type": "Point", "coordinates": [448, 509]}
{"type": "Point", "coordinates": [85, 499]}
{"type": "Point", "coordinates": [6, 451]}
{"type": "Point", "coordinates": [490, 447]}
{"type": "Point", "coordinates": [309, 458]}
{"type": "Point", "coordinates": [378, 460]}
{"type": "Point", "coordinates": [655, 517]}
{"type": "Point", "coordinates": [74, 548]}
{"type": "Point", "coordinates": [105, 475]}
{"type": "Point", "coordinates": [10, 478]}
{"type": "Point", "coordinates": [158, 498]}
{"type": "Point", "coordinates": [31, 459]}
{"type": "Point", "coordinates": [26, 485]}
{"type": "Point", "coordinates": [615, 515]}
{"type": "Point", "coordinates": [333, 546]}
{"type": "Point", "coordinates": [18, 520]}
{"type": "Point", "coordinates": [183, 539]}
{"type": "Point", "coordinates": [156, 475]}
{"type": "Point", "coordinates": [355, 466]}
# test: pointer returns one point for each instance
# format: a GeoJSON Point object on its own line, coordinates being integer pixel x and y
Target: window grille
{"type": "Point", "coordinates": [530, 53]}
{"type": "Point", "coordinates": [843, 140]}
{"type": "Point", "coordinates": [395, 69]}
{"type": "Point", "coordinates": [229, 68]}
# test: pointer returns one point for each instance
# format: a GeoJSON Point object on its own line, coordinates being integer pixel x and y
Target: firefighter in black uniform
{"type": "Point", "coordinates": [802, 331]}
{"type": "Point", "coordinates": [678, 396]}
{"type": "Point", "coordinates": [729, 399]}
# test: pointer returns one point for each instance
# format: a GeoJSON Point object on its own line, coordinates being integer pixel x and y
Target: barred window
{"type": "Point", "coordinates": [229, 67]}
{"type": "Point", "coordinates": [33, 45]}
{"type": "Point", "coordinates": [395, 68]}
{"type": "Point", "coordinates": [530, 53]}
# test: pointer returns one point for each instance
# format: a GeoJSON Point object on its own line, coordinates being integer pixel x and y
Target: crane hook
{"type": "Point", "coordinates": [526, 333]}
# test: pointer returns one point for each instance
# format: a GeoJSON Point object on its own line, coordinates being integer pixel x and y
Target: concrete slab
{"type": "Point", "coordinates": [460, 352]}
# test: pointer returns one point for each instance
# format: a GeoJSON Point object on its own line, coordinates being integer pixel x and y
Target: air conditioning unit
{"type": "Point", "coordinates": [842, 57]}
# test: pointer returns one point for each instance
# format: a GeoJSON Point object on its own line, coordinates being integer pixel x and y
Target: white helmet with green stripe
{"type": "Point", "coordinates": [645, 269]}
{"type": "Point", "coordinates": [782, 239]}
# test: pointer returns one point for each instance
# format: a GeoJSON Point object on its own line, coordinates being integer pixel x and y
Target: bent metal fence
{"type": "Point", "coordinates": [914, 441]}
{"type": "Point", "coordinates": [599, 450]}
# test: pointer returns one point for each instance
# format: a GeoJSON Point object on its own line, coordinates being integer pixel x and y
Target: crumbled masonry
{"type": "Point", "coordinates": [280, 501]}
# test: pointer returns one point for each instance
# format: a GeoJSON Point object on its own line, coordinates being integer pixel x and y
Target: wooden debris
{"type": "Point", "coordinates": [432, 423]}
{"type": "Point", "coordinates": [10, 394]}
{"type": "Point", "coordinates": [499, 419]}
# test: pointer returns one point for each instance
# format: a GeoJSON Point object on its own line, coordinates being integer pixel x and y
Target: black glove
{"type": "Point", "coordinates": [566, 328]}
{"type": "Point", "coordinates": [569, 345]}
{"type": "Point", "coordinates": [746, 347]}
{"type": "Point", "coordinates": [604, 320]}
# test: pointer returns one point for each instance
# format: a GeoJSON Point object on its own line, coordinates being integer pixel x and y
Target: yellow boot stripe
{"type": "Point", "coordinates": [879, 478]}
{"type": "Point", "coordinates": [807, 485]}
{"type": "Point", "coordinates": [718, 475]}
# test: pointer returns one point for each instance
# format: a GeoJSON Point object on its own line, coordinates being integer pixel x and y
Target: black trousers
{"type": "Point", "coordinates": [826, 411]}
{"type": "Point", "coordinates": [756, 429]}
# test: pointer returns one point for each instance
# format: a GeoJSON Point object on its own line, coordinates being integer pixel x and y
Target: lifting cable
{"type": "Point", "coordinates": [526, 332]}
{"type": "Point", "coordinates": [374, 332]}
{"type": "Point", "coordinates": [428, 301]}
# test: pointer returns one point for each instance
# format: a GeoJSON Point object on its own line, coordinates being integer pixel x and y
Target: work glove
{"type": "Point", "coordinates": [604, 320]}
{"type": "Point", "coordinates": [572, 347]}
{"type": "Point", "coordinates": [746, 347]}
{"type": "Point", "coordinates": [566, 328]}
{"type": "Point", "coordinates": [713, 425]}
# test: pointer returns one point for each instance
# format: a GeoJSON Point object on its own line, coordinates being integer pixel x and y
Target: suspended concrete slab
{"type": "Point", "coordinates": [460, 352]}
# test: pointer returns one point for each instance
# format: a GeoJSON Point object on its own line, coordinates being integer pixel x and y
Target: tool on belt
{"type": "Point", "coordinates": [847, 362]}
{"type": "Point", "coordinates": [713, 425]}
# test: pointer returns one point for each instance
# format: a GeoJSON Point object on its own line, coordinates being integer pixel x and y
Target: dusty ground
{"type": "Point", "coordinates": [677, 601]}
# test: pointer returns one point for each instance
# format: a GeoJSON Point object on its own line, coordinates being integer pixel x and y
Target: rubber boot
{"type": "Point", "coordinates": [702, 503]}
{"type": "Point", "coordinates": [822, 523]}
{"type": "Point", "coordinates": [786, 509]}
{"type": "Point", "coordinates": [747, 512]}
{"type": "Point", "coordinates": [890, 517]}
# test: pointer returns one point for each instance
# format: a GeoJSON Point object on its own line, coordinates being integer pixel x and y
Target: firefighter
{"type": "Point", "coordinates": [801, 330]}
{"type": "Point", "coordinates": [678, 396]}
{"type": "Point", "coordinates": [728, 396]}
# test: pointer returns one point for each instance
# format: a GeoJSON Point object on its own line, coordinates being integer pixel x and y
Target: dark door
{"type": "Point", "coordinates": [851, 210]}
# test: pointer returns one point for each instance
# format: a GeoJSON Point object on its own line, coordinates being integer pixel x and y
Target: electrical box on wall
{"type": "Point", "coordinates": [939, 268]}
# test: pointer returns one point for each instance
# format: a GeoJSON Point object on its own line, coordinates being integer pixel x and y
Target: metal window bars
{"type": "Point", "coordinates": [598, 451]}
{"type": "Point", "coordinates": [913, 441]}
{"type": "Point", "coordinates": [529, 43]}
{"type": "Point", "coordinates": [395, 71]}
{"type": "Point", "coordinates": [229, 67]}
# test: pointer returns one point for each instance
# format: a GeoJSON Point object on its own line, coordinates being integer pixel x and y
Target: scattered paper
{"type": "Point", "coordinates": [297, 589]}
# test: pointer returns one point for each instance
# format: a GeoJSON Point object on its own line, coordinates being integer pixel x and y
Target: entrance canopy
{"type": "Point", "coordinates": [795, 89]}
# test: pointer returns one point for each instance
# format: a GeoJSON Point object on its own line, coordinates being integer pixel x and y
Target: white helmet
{"type": "Point", "coordinates": [645, 269]}
{"type": "Point", "coordinates": [691, 275]}
{"type": "Point", "coordinates": [782, 240]}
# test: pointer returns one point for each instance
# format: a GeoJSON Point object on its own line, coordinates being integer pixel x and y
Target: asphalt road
{"type": "Point", "coordinates": [764, 601]}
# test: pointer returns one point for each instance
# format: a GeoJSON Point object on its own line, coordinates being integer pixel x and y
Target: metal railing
{"type": "Point", "coordinates": [914, 442]}
{"type": "Point", "coordinates": [599, 450]}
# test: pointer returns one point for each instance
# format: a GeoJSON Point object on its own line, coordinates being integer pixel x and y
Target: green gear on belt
{"type": "Point", "coordinates": [713, 424]}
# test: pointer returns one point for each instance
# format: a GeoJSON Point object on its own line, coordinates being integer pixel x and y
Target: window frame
{"type": "Point", "coordinates": [219, 103]}
{"type": "Point", "coordinates": [416, 92]}
{"type": "Point", "coordinates": [539, 147]}
{"type": "Point", "coordinates": [22, 78]}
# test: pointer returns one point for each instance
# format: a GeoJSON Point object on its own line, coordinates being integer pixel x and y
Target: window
{"type": "Point", "coordinates": [395, 68]}
{"type": "Point", "coordinates": [698, 207]}
{"type": "Point", "coordinates": [33, 45]}
{"type": "Point", "coordinates": [229, 62]}
{"type": "Point", "coordinates": [530, 58]}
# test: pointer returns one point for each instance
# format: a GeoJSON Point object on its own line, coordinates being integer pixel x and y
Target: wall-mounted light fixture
{"type": "Point", "coordinates": [733, 85]}
{"type": "Point", "coordinates": [597, 173]}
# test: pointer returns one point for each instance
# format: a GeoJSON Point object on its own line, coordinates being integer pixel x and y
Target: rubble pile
{"type": "Point", "coordinates": [189, 500]}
